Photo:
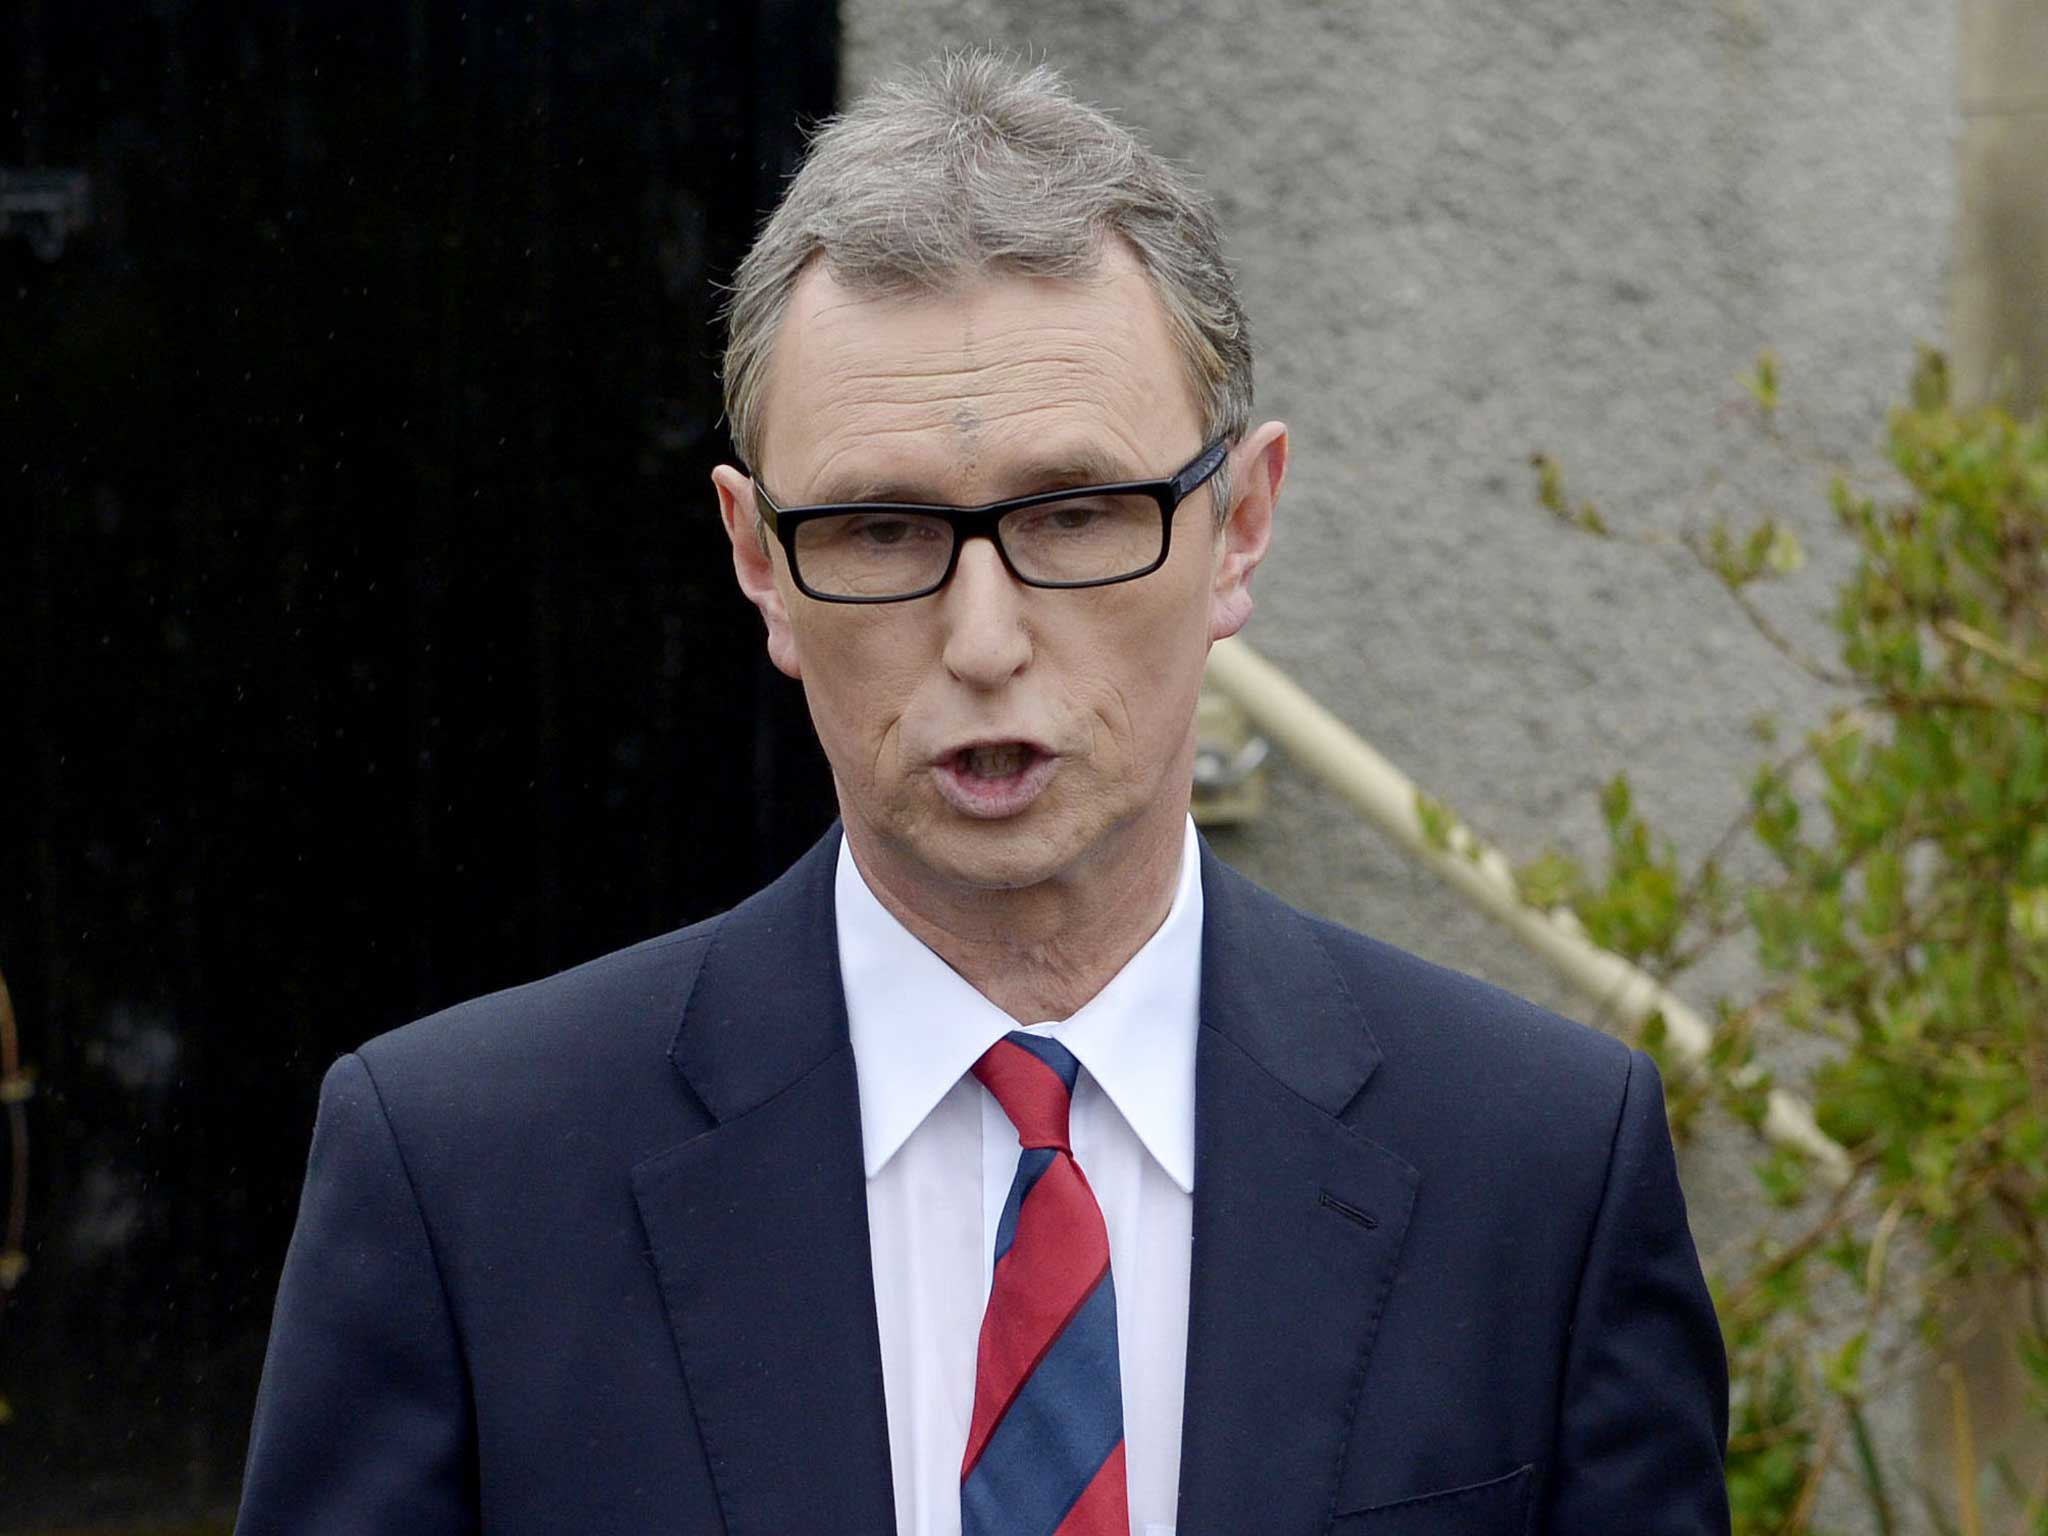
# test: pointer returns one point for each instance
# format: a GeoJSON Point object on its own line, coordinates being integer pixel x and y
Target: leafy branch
{"type": "Point", "coordinates": [1904, 922]}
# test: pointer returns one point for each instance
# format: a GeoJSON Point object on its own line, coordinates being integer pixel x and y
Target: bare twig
{"type": "Point", "coordinates": [1840, 1209]}
{"type": "Point", "coordinates": [1802, 1508]}
{"type": "Point", "coordinates": [1779, 641]}
{"type": "Point", "coordinates": [1964, 1450]}
{"type": "Point", "coordinates": [1988, 645]}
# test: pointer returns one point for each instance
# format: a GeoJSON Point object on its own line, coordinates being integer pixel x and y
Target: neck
{"type": "Point", "coordinates": [1039, 952]}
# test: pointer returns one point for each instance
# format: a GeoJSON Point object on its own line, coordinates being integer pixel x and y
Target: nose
{"type": "Point", "coordinates": [983, 609]}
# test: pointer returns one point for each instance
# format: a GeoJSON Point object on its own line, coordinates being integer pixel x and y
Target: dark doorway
{"type": "Point", "coordinates": [366, 635]}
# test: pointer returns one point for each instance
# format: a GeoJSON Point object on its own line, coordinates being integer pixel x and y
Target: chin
{"type": "Point", "coordinates": [998, 863]}
{"type": "Point", "coordinates": [1010, 855]}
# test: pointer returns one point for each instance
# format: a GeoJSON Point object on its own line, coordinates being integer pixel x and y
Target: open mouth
{"type": "Point", "coordinates": [994, 779]}
{"type": "Point", "coordinates": [1000, 761]}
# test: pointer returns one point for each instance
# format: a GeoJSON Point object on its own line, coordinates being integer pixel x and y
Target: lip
{"type": "Point", "coordinates": [995, 799]}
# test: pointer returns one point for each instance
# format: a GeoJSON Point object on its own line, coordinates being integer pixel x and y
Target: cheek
{"type": "Point", "coordinates": [857, 685]}
{"type": "Point", "coordinates": [1148, 687]}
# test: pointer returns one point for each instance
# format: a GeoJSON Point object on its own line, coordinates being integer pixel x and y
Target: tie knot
{"type": "Point", "coordinates": [1033, 1079]}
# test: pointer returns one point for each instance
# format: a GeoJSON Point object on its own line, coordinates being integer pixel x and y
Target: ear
{"type": "Point", "coordinates": [756, 562]}
{"type": "Point", "coordinates": [1258, 465]}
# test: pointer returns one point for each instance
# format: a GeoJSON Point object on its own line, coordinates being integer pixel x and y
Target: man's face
{"type": "Point", "coordinates": [994, 736]}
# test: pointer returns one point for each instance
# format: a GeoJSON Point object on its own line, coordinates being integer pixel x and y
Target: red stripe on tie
{"type": "Point", "coordinates": [1038, 1287]}
{"type": "Point", "coordinates": [1030, 1093]}
{"type": "Point", "coordinates": [1104, 1508]}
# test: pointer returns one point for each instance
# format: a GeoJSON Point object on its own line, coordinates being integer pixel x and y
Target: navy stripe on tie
{"type": "Point", "coordinates": [1055, 1436]}
{"type": "Point", "coordinates": [1030, 1167]}
{"type": "Point", "coordinates": [1049, 1051]}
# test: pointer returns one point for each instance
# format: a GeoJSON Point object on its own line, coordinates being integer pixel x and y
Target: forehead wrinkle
{"type": "Point", "coordinates": [1022, 459]}
{"type": "Point", "coordinates": [1051, 367]}
{"type": "Point", "coordinates": [996, 364]}
{"type": "Point", "coordinates": [1024, 428]}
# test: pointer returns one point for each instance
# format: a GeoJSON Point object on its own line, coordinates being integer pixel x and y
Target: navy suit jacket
{"type": "Point", "coordinates": [592, 1256]}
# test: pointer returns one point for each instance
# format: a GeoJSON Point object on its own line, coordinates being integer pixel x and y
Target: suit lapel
{"type": "Point", "coordinates": [1298, 1222]}
{"type": "Point", "coordinates": [758, 1228]}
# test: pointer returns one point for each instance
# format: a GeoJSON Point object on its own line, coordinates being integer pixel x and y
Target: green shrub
{"type": "Point", "coordinates": [1904, 921]}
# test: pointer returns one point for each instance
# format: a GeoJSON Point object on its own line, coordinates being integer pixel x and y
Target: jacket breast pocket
{"type": "Point", "coordinates": [1497, 1507]}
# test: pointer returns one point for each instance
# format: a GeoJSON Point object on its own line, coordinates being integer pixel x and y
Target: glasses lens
{"type": "Point", "coordinates": [872, 554]}
{"type": "Point", "coordinates": [1083, 538]}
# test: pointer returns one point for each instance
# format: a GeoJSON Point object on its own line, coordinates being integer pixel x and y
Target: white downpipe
{"type": "Point", "coordinates": [1308, 733]}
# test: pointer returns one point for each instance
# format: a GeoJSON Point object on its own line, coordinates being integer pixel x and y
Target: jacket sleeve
{"type": "Point", "coordinates": [363, 1421]}
{"type": "Point", "coordinates": [1643, 1423]}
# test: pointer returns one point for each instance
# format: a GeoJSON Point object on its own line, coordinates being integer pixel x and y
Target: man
{"type": "Point", "coordinates": [1009, 1165]}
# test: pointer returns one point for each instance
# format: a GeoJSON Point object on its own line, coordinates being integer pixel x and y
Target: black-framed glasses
{"type": "Point", "coordinates": [890, 552]}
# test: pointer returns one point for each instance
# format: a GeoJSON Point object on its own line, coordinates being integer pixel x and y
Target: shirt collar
{"type": "Point", "coordinates": [917, 1026]}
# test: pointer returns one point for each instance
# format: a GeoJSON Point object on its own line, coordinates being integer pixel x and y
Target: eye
{"type": "Point", "coordinates": [882, 531]}
{"type": "Point", "coordinates": [1065, 517]}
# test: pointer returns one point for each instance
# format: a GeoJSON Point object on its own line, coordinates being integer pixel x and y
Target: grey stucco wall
{"type": "Point", "coordinates": [1469, 231]}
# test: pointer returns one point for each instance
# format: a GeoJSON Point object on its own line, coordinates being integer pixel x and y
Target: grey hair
{"type": "Point", "coordinates": [976, 163]}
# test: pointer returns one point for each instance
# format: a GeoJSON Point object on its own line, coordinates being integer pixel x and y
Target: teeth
{"type": "Point", "coordinates": [994, 762]}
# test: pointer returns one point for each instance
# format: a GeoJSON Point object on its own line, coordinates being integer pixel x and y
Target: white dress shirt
{"type": "Point", "coordinates": [940, 1155]}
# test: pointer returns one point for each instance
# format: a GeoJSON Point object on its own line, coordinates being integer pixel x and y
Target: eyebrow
{"type": "Point", "coordinates": [1079, 468]}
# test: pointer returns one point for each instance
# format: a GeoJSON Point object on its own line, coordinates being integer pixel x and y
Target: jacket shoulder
{"type": "Point", "coordinates": [1328, 1008]}
{"type": "Point", "coordinates": [590, 1051]}
{"type": "Point", "coordinates": [1465, 1065]}
{"type": "Point", "coordinates": [601, 1005]}
{"type": "Point", "coordinates": [582, 1052]}
{"type": "Point", "coordinates": [1418, 1005]}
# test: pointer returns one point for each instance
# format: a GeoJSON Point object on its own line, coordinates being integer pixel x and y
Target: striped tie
{"type": "Point", "coordinates": [1045, 1452]}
